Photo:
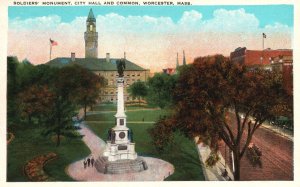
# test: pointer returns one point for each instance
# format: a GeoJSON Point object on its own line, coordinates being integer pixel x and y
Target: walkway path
{"type": "Point", "coordinates": [212, 173]}
{"type": "Point", "coordinates": [157, 170]}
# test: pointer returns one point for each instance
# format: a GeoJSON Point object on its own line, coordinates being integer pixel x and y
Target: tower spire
{"type": "Point", "coordinates": [177, 62]}
{"type": "Point", "coordinates": [184, 61]}
{"type": "Point", "coordinates": [91, 16]}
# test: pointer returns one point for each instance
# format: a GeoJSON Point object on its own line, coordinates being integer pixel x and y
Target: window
{"type": "Point", "coordinates": [91, 27]}
{"type": "Point", "coordinates": [138, 75]}
{"type": "Point", "coordinates": [121, 121]}
{"type": "Point", "coordinates": [133, 75]}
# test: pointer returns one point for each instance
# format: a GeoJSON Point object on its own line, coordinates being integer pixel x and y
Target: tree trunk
{"type": "Point", "coordinates": [58, 140]}
{"type": "Point", "coordinates": [236, 155]}
{"type": "Point", "coordinates": [29, 119]}
{"type": "Point", "coordinates": [84, 111]}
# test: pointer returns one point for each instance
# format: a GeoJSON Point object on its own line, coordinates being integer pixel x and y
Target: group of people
{"type": "Point", "coordinates": [88, 162]}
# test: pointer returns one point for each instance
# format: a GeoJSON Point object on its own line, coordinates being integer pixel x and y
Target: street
{"type": "Point", "coordinates": [277, 157]}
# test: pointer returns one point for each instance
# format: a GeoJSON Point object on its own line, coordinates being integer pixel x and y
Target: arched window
{"type": "Point", "coordinates": [91, 27]}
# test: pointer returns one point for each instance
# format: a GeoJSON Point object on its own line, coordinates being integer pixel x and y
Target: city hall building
{"type": "Point", "coordinates": [105, 67]}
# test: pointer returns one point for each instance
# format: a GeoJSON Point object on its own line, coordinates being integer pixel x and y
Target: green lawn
{"type": "Point", "coordinates": [105, 107]}
{"type": "Point", "coordinates": [183, 155]}
{"type": "Point", "coordinates": [113, 107]}
{"type": "Point", "coordinates": [147, 115]}
{"type": "Point", "coordinates": [28, 143]}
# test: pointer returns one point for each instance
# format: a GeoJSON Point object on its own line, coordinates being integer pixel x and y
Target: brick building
{"type": "Point", "coordinates": [284, 65]}
{"type": "Point", "coordinates": [280, 60]}
{"type": "Point", "coordinates": [105, 67]}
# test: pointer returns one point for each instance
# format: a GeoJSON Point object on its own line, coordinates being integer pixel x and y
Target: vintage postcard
{"type": "Point", "coordinates": [115, 91]}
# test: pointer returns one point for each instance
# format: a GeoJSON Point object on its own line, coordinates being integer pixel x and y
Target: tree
{"type": "Point", "coordinates": [50, 94]}
{"type": "Point", "coordinates": [59, 119]}
{"type": "Point", "coordinates": [138, 90]}
{"type": "Point", "coordinates": [80, 85]}
{"type": "Point", "coordinates": [162, 134]}
{"type": "Point", "coordinates": [160, 89]}
{"type": "Point", "coordinates": [35, 101]}
{"type": "Point", "coordinates": [12, 89]}
{"type": "Point", "coordinates": [218, 100]}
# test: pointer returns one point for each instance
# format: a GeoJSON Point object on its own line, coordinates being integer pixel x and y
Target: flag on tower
{"type": "Point", "coordinates": [264, 35]}
{"type": "Point", "coordinates": [53, 43]}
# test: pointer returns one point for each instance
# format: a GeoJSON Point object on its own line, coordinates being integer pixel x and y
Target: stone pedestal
{"type": "Point", "coordinates": [120, 166]}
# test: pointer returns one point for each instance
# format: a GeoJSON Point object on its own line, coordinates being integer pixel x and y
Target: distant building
{"type": "Point", "coordinates": [279, 60]}
{"type": "Point", "coordinates": [171, 71]}
{"type": "Point", "coordinates": [284, 65]}
{"type": "Point", "coordinates": [257, 58]}
{"type": "Point", "coordinates": [183, 60]}
{"type": "Point", "coordinates": [105, 67]}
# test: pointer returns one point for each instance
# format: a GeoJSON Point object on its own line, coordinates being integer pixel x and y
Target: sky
{"type": "Point", "coordinates": [150, 35]}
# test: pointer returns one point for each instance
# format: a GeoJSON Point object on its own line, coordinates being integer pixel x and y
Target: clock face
{"type": "Point", "coordinates": [122, 135]}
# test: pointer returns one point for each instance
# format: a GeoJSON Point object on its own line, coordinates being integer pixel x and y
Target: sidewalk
{"type": "Point", "coordinates": [284, 133]}
{"type": "Point", "coordinates": [212, 173]}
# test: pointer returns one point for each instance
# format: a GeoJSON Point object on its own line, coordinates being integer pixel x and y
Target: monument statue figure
{"type": "Point", "coordinates": [121, 67]}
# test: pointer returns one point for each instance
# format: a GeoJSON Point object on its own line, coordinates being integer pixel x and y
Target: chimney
{"type": "Point", "coordinates": [107, 57]}
{"type": "Point", "coordinates": [72, 57]}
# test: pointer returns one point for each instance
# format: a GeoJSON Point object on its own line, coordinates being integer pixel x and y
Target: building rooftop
{"type": "Point", "coordinates": [253, 57]}
{"type": "Point", "coordinates": [94, 64]}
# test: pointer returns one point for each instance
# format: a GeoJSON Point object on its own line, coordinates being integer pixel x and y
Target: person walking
{"type": "Point", "coordinates": [84, 164]}
{"type": "Point", "coordinates": [88, 162]}
{"type": "Point", "coordinates": [92, 162]}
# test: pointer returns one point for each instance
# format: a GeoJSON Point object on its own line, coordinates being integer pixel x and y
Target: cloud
{"type": "Point", "coordinates": [151, 42]}
{"type": "Point", "coordinates": [231, 21]}
{"type": "Point", "coordinates": [39, 23]}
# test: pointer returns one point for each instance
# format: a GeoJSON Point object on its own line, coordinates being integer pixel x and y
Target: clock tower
{"type": "Point", "coordinates": [91, 37]}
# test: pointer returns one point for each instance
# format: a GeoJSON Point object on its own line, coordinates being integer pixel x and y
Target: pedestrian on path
{"type": "Point", "coordinates": [84, 164]}
{"type": "Point", "coordinates": [92, 161]}
{"type": "Point", "coordinates": [88, 162]}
